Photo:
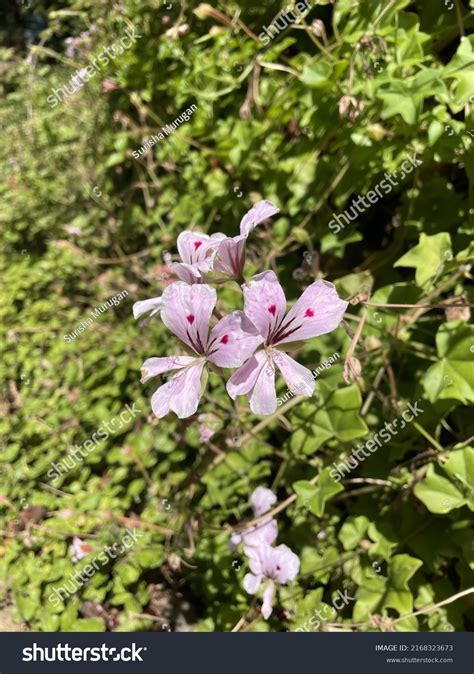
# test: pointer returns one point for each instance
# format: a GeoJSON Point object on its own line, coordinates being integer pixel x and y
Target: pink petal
{"type": "Point", "coordinates": [263, 399]}
{"type": "Point", "coordinates": [267, 605]}
{"type": "Point", "coordinates": [153, 305]}
{"type": "Point", "coordinates": [194, 247]}
{"type": "Point", "coordinates": [298, 378]}
{"type": "Point", "coordinates": [186, 311]}
{"type": "Point", "coordinates": [153, 367]}
{"type": "Point", "coordinates": [256, 378]}
{"type": "Point", "coordinates": [186, 272]}
{"type": "Point", "coordinates": [231, 256]}
{"type": "Point", "coordinates": [262, 500]}
{"type": "Point", "coordinates": [264, 532]}
{"type": "Point", "coordinates": [243, 380]}
{"type": "Point", "coordinates": [180, 395]}
{"type": "Point", "coordinates": [233, 340]}
{"type": "Point", "coordinates": [264, 302]}
{"type": "Point", "coordinates": [319, 310]}
{"type": "Point", "coordinates": [235, 540]}
{"type": "Point", "coordinates": [284, 564]}
{"type": "Point", "coordinates": [260, 212]}
{"type": "Point", "coordinates": [251, 583]}
{"type": "Point", "coordinates": [255, 553]}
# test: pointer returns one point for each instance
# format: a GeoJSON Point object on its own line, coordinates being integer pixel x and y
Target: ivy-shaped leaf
{"type": "Point", "coordinates": [443, 494]}
{"type": "Point", "coordinates": [453, 375]}
{"type": "Point", "coordinates": [315, 496]}
{"type": "Point", "coordinates": [338, 417]}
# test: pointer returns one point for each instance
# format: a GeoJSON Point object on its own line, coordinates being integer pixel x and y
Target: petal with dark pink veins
{"type": "Point", "coordinates": [265, 303]}
{"type": "Point", "coordinates": [187, 310]}
{"type": "Point", "coordinates": [233, 340]}
{"type": "Point", "coordinates": [231, 256]}
{"type": "Point", "coordinates": [318, 311]}
{"type": "Point", "coordinates": [195, 247]}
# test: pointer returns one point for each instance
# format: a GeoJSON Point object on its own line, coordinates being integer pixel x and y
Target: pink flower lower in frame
{"type": "Point", "coordinates": [186, 310]}
{"type": "Point", "coordinates": [231, 252]}
{"type": "Point", "coordinates": [318, 311]}
{"type": "Point", "coordinates": [79, 549]}
{"type": "Point", "coordinates": [271, 565]}
{"type": "Point", "coordinates": [262, 500]}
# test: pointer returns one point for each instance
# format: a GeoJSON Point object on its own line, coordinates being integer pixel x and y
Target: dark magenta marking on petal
{"type": "Point", "coordinates": [190, 319]}
{"type": "Point", "coordinates": [272, 309]}
{"type": "Point", "coordinates": [225, 339]}
{"type": "Point", "coordinates": [278, 568]}
{"type": "Point", "coordinates": [197, 244]}
{"type": "Point", "coordinates": [309, 313]}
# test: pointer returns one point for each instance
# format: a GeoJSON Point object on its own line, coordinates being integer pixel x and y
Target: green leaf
{"type": "Point", "coordinates": [353, 531]}
{"type": "Point", "coordinates": [127, 573]}
{"type": "Point", "coordinates": [398, 594]}
{"type": "Point", "coordinates": [316, 495]}
{"type": "Point", "coordinates": [339, 418]}
{"type": "Point", "coordinates": [443, 494]}
{"type": "Point", "coordinates": [317, 75]}
{"type": "Point", "coordinates": [453, 376]}
{"type": "Point", "coordinates": [399, 104]}
{"type": "Point", "coordinates": [88, 625]}
{"type": "Point", "coordinates": [428, 257]}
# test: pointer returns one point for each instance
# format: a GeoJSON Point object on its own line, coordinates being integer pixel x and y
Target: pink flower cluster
{"type": "Point", "coordinates": [268, 564]}
{"type": "Point", "coordinates": [253, 341]}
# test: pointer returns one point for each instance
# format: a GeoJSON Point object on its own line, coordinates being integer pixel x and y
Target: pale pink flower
{"type": "Point", "coordinates": [231, 252]}
{"type": "Point", "coordinates": [275, 565]}
{"type": "Point", "coordinates": [262, 500]}
{"type": "Point", "coordinates": [107, 85]}
{"type": "Point", "coordinates": [186, 310]}
{"type": "Point", "coordinates": [79, 549]}
{"type": "Point", "coordinates": [197, 252]}
{"type": "Point", "coordinates": [318, 311]}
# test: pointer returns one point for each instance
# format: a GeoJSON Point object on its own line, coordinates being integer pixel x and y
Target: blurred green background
{"type": "Point", "coordinates": [309, 121]}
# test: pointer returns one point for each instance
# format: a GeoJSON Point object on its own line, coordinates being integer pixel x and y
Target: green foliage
{"type": "Point", "coordinates": [310, 122]}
